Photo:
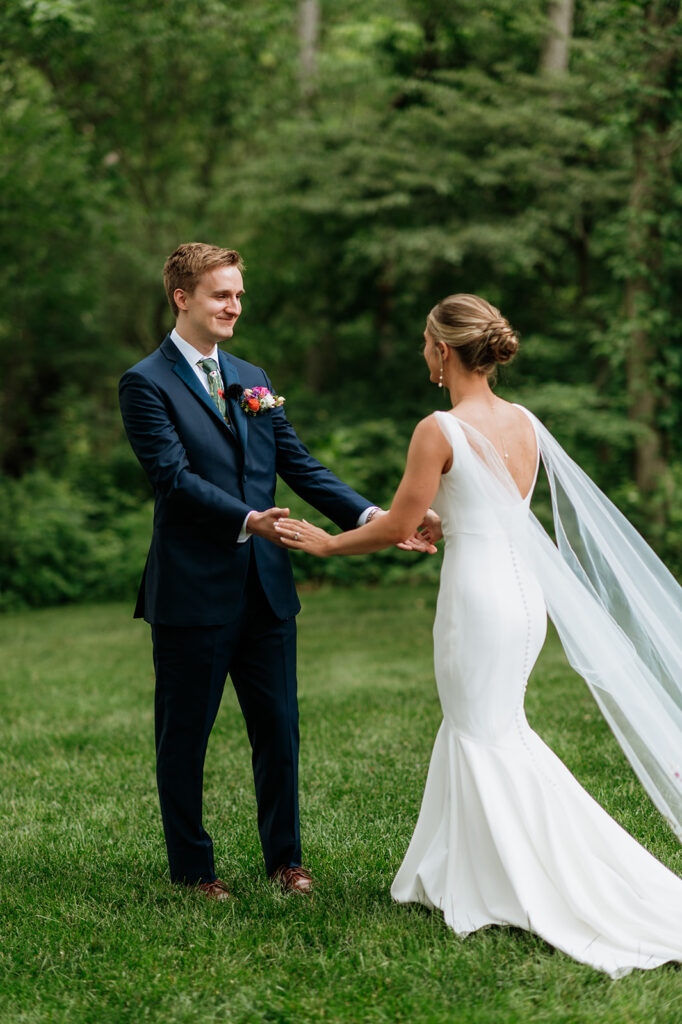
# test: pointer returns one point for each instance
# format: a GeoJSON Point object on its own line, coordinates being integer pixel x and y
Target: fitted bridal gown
{"type": "Point", "coordinates": [506, 835]}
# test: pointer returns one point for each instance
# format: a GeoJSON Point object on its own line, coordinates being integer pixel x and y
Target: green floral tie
{"type": "Point", "coordinates": [215, 385]}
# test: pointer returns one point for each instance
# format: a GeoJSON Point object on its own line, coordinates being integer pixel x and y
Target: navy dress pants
{"type": "Point", "coordinates": [259, 653]}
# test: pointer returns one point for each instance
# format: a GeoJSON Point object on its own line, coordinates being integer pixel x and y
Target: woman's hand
{"type": "Point", "coordinates": [302, 536]}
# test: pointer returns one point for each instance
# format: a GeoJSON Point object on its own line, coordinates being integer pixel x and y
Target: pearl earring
{"type": "Point", "coordinates": [440, 378]}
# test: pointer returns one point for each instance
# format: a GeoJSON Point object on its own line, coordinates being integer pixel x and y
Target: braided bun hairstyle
{"type": "Point", "coordinates": [482, 336]}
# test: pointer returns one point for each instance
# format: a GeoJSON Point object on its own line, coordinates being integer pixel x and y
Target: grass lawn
{"type": "Point", "coordinates": [91, 930]}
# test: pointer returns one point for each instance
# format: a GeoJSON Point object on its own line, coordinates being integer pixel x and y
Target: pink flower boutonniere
{"type": "Point", "coordinates": [257, 400]}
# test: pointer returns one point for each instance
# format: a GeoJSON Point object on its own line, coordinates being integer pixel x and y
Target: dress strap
{"type": "Point", "coordinates": [450, 425]}
{"type": "Point", "coordinates": [453, 431]}
{"type": "Point", "coordinates": [533, 423]}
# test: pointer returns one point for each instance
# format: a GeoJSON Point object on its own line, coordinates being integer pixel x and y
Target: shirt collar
{"type": "Point", "coordinates": [191, 354]}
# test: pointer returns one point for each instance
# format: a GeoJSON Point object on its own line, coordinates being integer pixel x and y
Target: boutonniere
{"type": "Point", "coordinates": [257, 400]}
{"type": "Point", "coordinates": [233, 391]}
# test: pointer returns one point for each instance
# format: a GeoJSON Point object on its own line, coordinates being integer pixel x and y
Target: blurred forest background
{"type": "Point", "coordinates": [367, 158]}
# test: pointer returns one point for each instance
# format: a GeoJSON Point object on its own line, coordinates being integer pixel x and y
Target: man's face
{"type": "Point", "coordinates": [209, 314]}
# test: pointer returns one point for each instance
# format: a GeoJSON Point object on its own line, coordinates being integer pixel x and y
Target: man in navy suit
{"type": "Point", "coordinates": [218, 588]}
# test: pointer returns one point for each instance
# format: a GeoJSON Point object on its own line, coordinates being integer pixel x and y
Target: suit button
{"type": "Point", "coordinates": [245, 476]}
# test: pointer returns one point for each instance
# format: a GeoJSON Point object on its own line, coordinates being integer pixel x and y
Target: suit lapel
{"type": "Point", "coordinates": [237, 428]}
{"type": "Point", "coordinates": [237, 415]}
{"type": "Point", "coordinates": [184, 371]}
{"type": "Point", "coordinates": [189, 377]}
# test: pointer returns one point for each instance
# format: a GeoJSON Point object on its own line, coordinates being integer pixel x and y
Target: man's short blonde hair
{"type": "Point", "coordinates": [184, 267]}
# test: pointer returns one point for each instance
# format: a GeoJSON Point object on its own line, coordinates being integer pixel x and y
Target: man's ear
{"type": "Point", "coordinates": [180, 298]}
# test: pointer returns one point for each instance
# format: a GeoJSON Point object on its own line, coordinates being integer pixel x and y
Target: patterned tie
{"type": "Point", "coordinates": [215, 385]}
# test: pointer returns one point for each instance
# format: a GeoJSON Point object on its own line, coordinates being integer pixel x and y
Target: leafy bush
{"type": "Point", "coordinates": [57, 545]}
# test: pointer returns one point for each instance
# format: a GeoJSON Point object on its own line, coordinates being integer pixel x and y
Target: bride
{"type": "Point", "coordinates": [506, 835]}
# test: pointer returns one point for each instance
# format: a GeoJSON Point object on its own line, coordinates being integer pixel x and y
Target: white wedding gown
{"type": "Point", "coordinates": [506, 835]}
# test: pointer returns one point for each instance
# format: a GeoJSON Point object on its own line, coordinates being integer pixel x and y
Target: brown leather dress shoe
{"type": "Point", "coordinates": [293, 879]}
{"type": "Point", "coordinates": [214, 890]}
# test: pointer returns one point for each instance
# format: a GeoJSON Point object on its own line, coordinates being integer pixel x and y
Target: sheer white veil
{"type": "Point", "coordinates": [617, 610]}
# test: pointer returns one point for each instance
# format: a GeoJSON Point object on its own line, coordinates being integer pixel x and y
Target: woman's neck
{"type": "Point", "coordinates": [471, 387]}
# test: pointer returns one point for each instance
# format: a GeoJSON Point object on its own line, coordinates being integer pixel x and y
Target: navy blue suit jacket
{"type": "Point", "coordinates": [207, 475]}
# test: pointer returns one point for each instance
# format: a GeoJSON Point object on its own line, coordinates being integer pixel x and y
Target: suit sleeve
{"type": "Point", "coordinates": [310, 479]}
{"type": "Point", "coordinates": [156, 444]}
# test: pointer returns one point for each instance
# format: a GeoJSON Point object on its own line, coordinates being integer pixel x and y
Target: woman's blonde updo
{"type": "Point", "coordinates": [479, 332]}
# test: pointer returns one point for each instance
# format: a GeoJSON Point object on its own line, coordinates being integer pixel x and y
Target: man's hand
{"type": "Point", "coordinates": [417, 542]}
{"type": "Point", "coordinates": [426, 536]}
{"type": "Point", "coordinates": [431, 528]}
{"type": "Point", "coordinates": [263, 524]}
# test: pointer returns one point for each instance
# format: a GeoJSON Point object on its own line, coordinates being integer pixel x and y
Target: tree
{"type": "Point", "coordinates": [655, 136]}
{"type": "Point", "coordinates": [555, 52]}
{"type": "Point", "coordinates": [367, 158]}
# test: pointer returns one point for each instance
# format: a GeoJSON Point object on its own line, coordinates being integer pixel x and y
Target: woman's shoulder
{"type": "Point", "coordinates": [438, 422]}
{"type": "Point", "coordinates": [440, 431]}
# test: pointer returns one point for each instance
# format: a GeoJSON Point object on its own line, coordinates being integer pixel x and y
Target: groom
{"type": "Point", "coordinates": [218, 588]}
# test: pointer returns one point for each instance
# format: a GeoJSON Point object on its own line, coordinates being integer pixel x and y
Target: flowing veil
{"type": "Point", "coordinates": [615, 606]}
{"type": "Point", "coordinates": [618, 613]}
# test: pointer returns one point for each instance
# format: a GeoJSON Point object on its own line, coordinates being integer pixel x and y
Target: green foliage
{"type": "Point", "coordinates": [58, 546]}
{"type": "Point", "coordinates": [46, 230]}
{"type": "Point", "coordinates": [425, 154]}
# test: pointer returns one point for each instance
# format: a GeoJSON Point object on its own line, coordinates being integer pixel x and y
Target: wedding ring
{"type": "Point", "coordinates": [296, 536]}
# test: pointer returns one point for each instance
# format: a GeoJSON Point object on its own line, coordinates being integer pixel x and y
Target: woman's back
{"type": "Point", "coordinates": [509, 430]}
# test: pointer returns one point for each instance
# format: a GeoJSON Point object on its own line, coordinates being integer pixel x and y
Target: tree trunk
{"type": "Point", "coordinates": [649, 465]}
{"type": "Point", "coordinates": [651, 185]}
{"type": "Point", "coordinates": [308, 33]}
{"type": "Point", "coordinates": [320, 358]}
{"type": "Point", "coordinates": [554, 59]}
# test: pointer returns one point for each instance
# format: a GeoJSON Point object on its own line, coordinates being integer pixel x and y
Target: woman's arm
{"type": "Point", "coordinates": [428, 456]}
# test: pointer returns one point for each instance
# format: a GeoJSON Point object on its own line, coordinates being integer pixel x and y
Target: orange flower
{"type": "Point", "coordinates": [254, 404]}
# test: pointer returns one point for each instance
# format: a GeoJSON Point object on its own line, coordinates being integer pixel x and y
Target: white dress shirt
{"type": "Point", "coordinates": [194, 357]}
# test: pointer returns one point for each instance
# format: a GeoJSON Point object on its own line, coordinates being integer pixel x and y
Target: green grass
{"type": "Point", "coordinates": [91, 930]}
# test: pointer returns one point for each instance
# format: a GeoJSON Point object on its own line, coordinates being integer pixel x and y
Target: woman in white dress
{"type": "Point", "coordinates": [506, 835]}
